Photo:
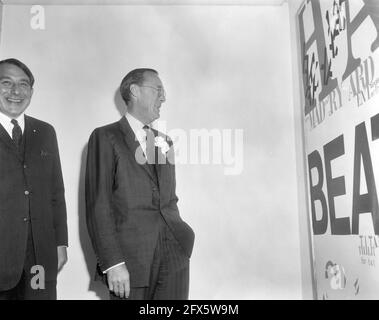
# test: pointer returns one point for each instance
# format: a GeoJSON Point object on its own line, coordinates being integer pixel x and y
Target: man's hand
{"type": "Point", "coordinates": [118, 281]}
{"type": "Point", "coordinates": [62, 257]}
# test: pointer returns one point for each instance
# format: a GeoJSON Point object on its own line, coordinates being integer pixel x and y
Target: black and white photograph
{"type": "Point", "coordinates": [189, 150]}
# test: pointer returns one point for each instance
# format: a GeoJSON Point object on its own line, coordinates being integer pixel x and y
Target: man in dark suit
{"type": "Point", "coordinates": [142, 244]}
{"type": "Point", "coordinates": [33, 225]}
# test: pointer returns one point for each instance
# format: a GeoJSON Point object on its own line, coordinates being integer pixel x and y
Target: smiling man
{"type": "Point", "coordinates": [142, 244]}
{"type": "Point", "coordinates": [33, 225]}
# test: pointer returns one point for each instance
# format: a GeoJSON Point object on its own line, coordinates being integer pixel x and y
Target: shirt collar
{"type": "Point", "coordinates": [5, 121]}
{"type": "Point", "coordinates": [137, 126]}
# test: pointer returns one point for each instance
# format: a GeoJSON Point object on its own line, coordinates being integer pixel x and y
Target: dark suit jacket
{"type": "Point", "coordinates": [30, 186]}
{"type": "Point", "coordinates": [125, 202]}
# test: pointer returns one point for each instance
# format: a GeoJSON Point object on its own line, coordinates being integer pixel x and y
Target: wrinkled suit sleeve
{"type": "Point", "coordinates": [101, 166]}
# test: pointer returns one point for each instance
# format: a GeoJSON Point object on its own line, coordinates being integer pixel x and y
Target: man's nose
{"type": "Point", "coordinates": [162, 98]}
{"type": "Point", "coordinates": [15, 88]}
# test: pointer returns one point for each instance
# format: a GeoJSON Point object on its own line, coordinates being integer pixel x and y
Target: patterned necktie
{"type": "Point", "coordinates": [16, 133]}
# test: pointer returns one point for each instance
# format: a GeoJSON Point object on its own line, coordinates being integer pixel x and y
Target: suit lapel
{"type": "Point", "coordinates": [133, 143]}
{"type": "Point", "coordinates": [8, 142]}
{"type": "Point", "coordinates": [158, 159]}
{"type": "Point", "coordinates": [161, 159]}
{"type": "Point", "coordinates": [157, 164]}
{"type": "Point", "coordinates": [29, 133]}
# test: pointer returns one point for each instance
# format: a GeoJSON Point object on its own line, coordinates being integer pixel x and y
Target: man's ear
{"type": "Point", "coordinates": [134, 90]}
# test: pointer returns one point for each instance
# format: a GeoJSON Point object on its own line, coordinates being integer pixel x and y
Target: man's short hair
{"type": "Point", "coordinates": [22, 66]}
{"type": "Point", "coordinates": [135, 76]}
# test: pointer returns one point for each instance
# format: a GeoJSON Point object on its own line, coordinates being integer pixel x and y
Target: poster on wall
{"type": "Point", "coordinates": [339, 52]}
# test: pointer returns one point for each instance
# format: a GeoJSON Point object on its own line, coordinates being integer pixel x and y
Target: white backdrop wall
{"type": "Point", "coordinates": [223, 67]}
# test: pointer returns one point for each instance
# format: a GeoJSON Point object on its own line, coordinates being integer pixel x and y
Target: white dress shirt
{"type": "Point", "coordinates": [5, 121]}
{"type": "Point", "coordinates": [140, 133]}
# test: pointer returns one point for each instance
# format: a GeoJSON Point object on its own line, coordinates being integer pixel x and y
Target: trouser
{"type": "Point", "coordinates": [169, 275]}
{"type": "Point", "coordinates": [24, 289]}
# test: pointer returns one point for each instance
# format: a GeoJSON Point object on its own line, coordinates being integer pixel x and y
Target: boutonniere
{"type": "Point", "coordinates": [161, 143]}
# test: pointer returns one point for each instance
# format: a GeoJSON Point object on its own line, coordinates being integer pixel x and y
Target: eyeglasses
{"type": "Point", "coordinates": [160, 90]}
{"type": "Point", "coordinates": [9, 84]}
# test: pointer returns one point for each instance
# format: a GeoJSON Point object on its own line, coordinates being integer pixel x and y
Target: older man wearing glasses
{"type": "Point", "coordinates": [142, 244]}
{"type": "Point", "coordinates": [33, 227]}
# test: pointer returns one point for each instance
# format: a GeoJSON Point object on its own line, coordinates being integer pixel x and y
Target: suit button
{"type": "Point", "coordinates": [25, 166]}
{"type": "Point", "coordinates": [26, 192]}
{"type": "Point", "coordinates": [26, 219]}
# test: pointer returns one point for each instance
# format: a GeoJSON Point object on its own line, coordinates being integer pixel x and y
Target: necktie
{"type": "Point", "coordinates": [16, 133]}
{"type": "Point", "coordinates": [150, 150]}
{"type": "Point", "coordinates": [150, 145]}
